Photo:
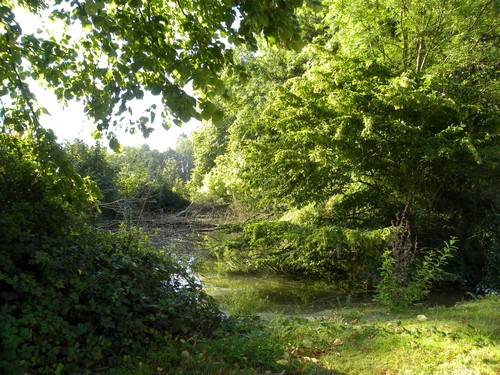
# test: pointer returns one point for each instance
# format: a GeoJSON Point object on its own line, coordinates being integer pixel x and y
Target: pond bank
{"type": "Point", "coordinates": [266, 294]}
{"type": "Point", "coordinates": [250, 293]}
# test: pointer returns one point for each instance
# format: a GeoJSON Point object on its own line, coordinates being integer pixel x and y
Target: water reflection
{"type": "Point", "coordinates": [257, 293]}
{"type": "Point", "coordinates": [264, 292]}
{"type": "Point", "coordinates": [273, 293]}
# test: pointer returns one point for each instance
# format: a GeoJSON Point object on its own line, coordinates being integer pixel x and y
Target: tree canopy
{"type": "Point", "coordinates": [390, 104]}
{"type": "Point", "coordinates": [74, 296]}
{"type": "Point", "coordinates": [108, 53]}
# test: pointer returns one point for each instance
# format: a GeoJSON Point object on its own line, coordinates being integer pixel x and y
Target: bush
{"type": "Point", "coordinates": [99, 297]}
{"type": "Point", "coordinates": [73, 296]}
{"type": "Point", "coordinates": [345, 256]}
{"type": "Point", "coordinates": [405, 278]}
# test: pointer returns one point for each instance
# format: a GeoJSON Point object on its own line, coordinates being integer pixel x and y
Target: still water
{"type": "Point", "coordinates": [241, 293]}
{"type": "Point", "coordinates": [263, 293]}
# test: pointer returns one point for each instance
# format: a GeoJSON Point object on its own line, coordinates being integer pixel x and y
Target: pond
{"type": "Point", "coordinates": [241, 293]}
{"type": "Point", "coordinates": [258, 293]}
{"type": "Point", "coordinates": [268, 293]}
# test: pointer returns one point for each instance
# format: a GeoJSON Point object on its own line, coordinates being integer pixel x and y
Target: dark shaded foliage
{"type": "Point", "coordinates": [74, 296]}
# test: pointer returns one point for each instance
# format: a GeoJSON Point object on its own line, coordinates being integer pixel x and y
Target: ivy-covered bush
{"type": "Point", "coordinates": [344, 256]}
{"type": "Point", "coordinates": [72, 296]}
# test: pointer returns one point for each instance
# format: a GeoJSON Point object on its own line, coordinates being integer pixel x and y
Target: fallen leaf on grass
{"type": "Point", "coordinates": [337, 342]}
{"type": "Point", "coordinates": [387, 372]}
{"type": "Point", "coordinates": [309, 359]}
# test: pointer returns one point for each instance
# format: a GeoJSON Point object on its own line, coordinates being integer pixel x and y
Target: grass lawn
{"type": "Point", "coordinates": [464, 339]}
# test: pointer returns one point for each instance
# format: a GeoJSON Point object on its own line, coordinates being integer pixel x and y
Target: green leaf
{"type": "Point", "coordinates": [207, 109]}
{"type": "Point", "coordinates": [114, 144]}
{"type": "Point", "coordinates": [217, 116]}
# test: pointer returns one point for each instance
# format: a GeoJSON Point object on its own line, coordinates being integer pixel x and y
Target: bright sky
{"type": "Point", "coordinates": [69, 122]}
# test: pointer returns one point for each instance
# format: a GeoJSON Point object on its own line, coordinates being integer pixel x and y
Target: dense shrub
{"type": "Point", "coordinates": [345, 256]}
{"type": "Point", "coordinates": [408, 272]}
{"type": "Point", "coordinates": [98, 298]}
{"type": "Point", "coordinates": [73, 296]}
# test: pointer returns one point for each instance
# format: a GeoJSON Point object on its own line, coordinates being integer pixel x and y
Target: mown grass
{"type": "Point", "coordinates": [463, 339]}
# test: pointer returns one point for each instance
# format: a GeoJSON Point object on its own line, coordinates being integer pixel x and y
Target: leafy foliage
{"type": "Point", "coordinates": [184, 157]}
{"type": "Point", "coordinates": [390, 103]}
{"type": "Point", "coordinates": [136, 179]}
{"type": "Point", "coordinates": [406, 275]}
{"type": "Point", "coordinates": [73, 296]}
{"type": "Point", "coordinates": [344, 256]}
{"type": "Point", "coordinates": [93, 162]}
{"type": "Point", "coordinates": [148, 178]}
{"type": "Point", "coordinates": [101, 60]}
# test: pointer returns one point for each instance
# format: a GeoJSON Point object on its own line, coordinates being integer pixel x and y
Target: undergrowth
{"type": "Point", "coordinates": [74, 297]}
{"type": "Point", "coordinates": [407, 274]}
{"type": "Point", "coordinates": [333, 253]}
